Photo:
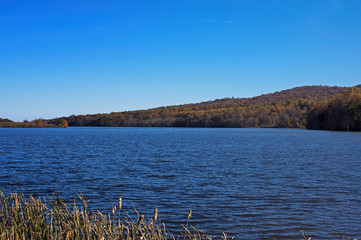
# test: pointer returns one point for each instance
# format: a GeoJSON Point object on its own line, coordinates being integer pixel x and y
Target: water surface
{"type": "Point", "coordinates": [248, 183]}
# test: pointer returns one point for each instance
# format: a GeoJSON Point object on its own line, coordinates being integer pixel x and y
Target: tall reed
{"type": "Point", "coordinates": [52, 218]}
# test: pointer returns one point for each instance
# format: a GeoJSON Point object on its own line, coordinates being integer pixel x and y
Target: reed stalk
{"type": "Point", "coordinates": [51, 218]}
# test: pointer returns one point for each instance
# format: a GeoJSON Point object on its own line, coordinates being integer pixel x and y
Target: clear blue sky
{"type": "Point", "coordinates": [59, 58]}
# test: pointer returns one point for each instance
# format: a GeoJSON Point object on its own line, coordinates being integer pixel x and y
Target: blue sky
{"type": "Point", "coordinates": [59, 58]}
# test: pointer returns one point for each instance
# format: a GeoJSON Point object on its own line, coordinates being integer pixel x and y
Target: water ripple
{"type": "Point", "coordinates": [249, 183]}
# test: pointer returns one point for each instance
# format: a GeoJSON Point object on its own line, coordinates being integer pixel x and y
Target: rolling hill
{"type": "Point", "coordinates": [286, 109]}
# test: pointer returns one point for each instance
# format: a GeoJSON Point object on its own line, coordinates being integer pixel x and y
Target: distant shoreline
{"type": "Point", "coordinates": [6, 123]}
{"type": "Point", "coordinates": [311, 107]}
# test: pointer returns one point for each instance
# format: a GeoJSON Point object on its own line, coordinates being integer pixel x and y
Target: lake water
{"type": "Point", "coordinates": [248, 183]}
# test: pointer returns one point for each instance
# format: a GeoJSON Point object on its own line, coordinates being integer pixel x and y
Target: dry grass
{"type": "Point", "coordinates": [52, 218]}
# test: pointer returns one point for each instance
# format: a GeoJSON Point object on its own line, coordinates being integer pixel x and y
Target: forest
{"type": "Point", "coordinates": [300, 107]}
{"type": "Point", "coordinates": [37, 123]}
{"type": "Point", "coordinates": [342, 112]}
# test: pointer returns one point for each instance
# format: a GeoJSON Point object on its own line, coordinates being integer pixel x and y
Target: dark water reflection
{"type": "Point", "coordinates": [250, 183]}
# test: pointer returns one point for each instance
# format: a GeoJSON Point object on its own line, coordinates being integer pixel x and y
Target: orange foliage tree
{"type": "Point", "coordinates": [64, 123]}
{"type": "Point", "coordinates": [39, 123]}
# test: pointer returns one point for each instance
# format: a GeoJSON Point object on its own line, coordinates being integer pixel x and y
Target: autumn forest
{"type": "Point", "coordinates": [314, 107]}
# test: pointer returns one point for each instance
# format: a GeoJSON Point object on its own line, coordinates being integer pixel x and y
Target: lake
{"type": "Point", "coordinates": [248, 183]}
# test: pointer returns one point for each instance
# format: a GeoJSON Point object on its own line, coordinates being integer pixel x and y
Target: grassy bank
{"type": "Point", "coordinates": [52, 218]}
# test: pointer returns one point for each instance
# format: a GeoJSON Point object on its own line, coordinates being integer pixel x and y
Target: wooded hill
{"type": "Point", "coordinates": [284, 109]}
{"type": "Point", "coordinates": [342, 112]}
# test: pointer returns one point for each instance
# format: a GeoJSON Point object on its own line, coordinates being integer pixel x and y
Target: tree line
{"type": "Point", "coordinates": [294, 108]}
{"type": "Point", "coordinates": [342, 112]}
{"type": "Point", "coordinates": [313, 107]}
{"type": "Point", "coordinates": [37, 123]}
